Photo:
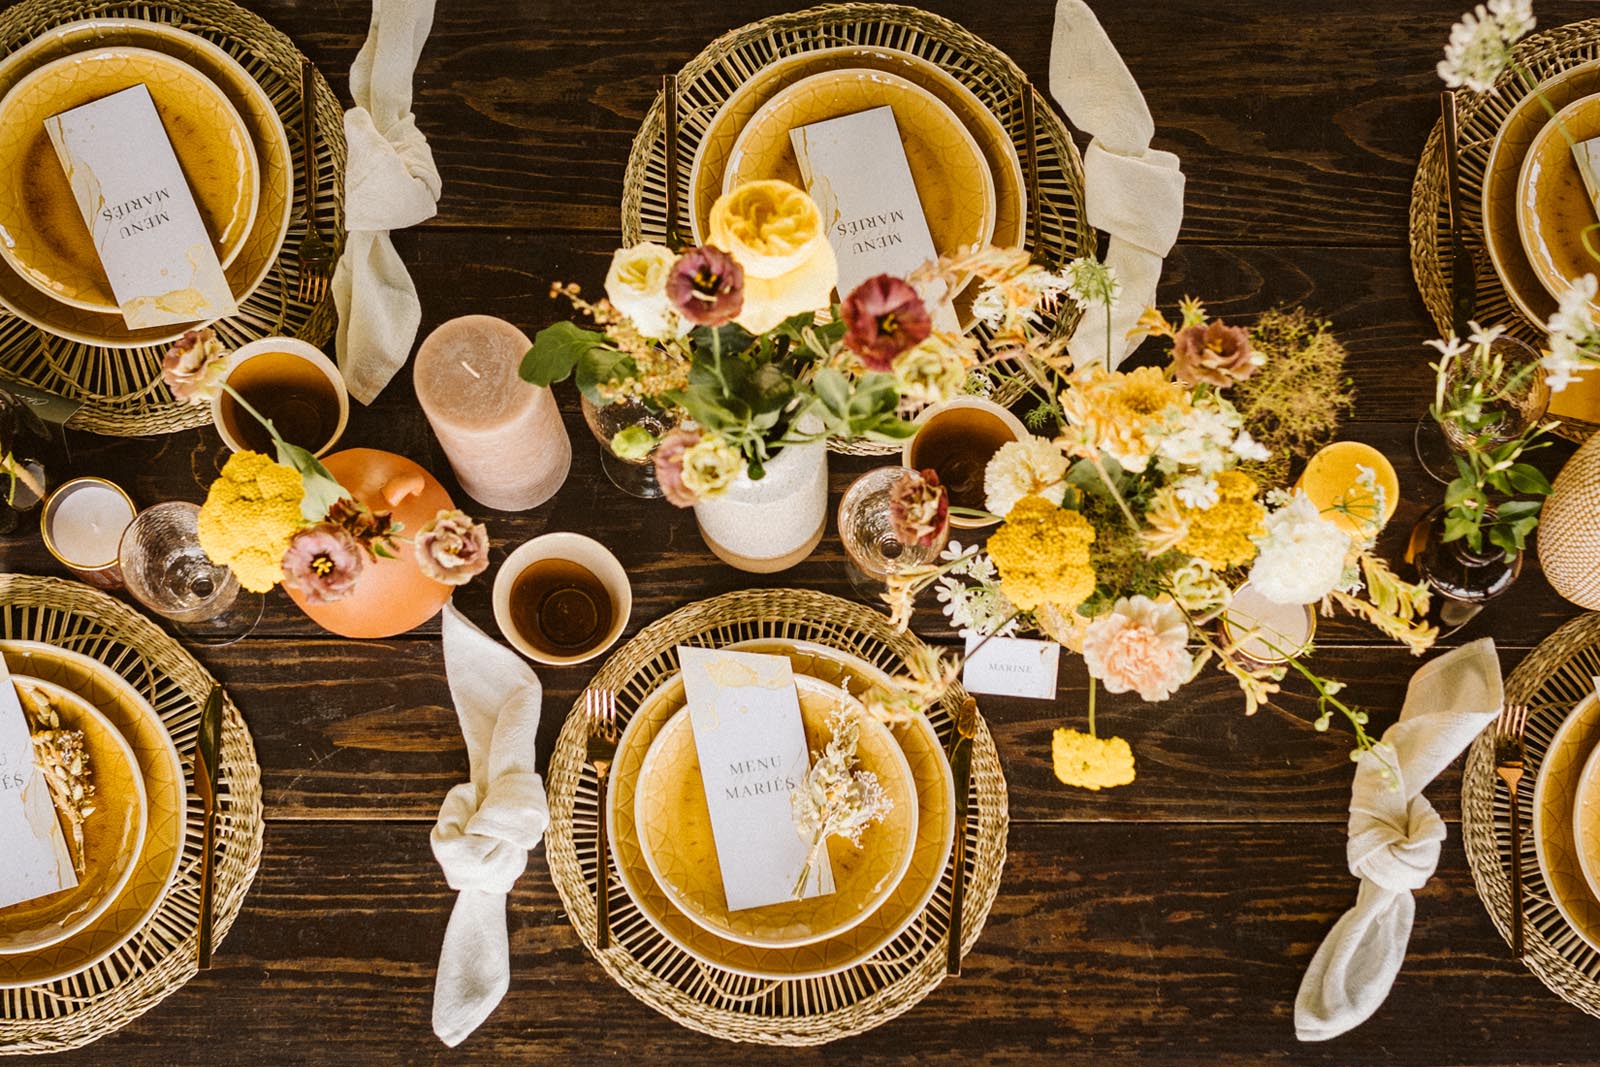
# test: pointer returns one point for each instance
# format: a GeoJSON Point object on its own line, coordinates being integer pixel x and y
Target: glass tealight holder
{"type": "Point", "coordinates": [82, 524]}
{"type": "Point", "coordinates": [168, 572]}
{"type": "Point", "coordinates": [1264, 633]}
{"type": "Point", "coordinates": [636, 477]}
{"type": "Point", "coordinates": [866, 529]}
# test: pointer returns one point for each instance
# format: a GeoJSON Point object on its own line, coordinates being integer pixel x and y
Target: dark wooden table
{"type": "Point", "coordinates": [1166, 922]}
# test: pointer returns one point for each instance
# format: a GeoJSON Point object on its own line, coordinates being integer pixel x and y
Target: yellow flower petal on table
{"type": "Point", "coordinates": [1090, 762]}
{"type": "Point", "coordinates": [250, 514]}
{"type": "Point", "coordinates": [1042, 553]}
{"type": "Point", "coordinates": [776, 233]}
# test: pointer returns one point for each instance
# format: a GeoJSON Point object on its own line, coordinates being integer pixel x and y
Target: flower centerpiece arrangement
{"type": "Point", "coordinates": [288, 520]}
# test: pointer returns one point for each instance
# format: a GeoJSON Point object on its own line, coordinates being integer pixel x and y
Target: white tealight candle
{"type": "Point", "coordinates": [83, 524]}
{"type": "Point", "coordinates": [1275, 631]}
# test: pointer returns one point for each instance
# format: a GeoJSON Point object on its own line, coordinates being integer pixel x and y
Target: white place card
{"type": "Point", "coordinates": [160, 260]}
{"type": "Point", "coordinates": [752, 747]}
{"type": "Point", "coordinates": [1012, 667]}
{"type": "Point", "coordinates": [855, 169]}
{"type": "Point", "coordinates": [37, 861]}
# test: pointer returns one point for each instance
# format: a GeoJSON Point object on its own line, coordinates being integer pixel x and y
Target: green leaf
{"type": "Point", "coordinates": [1457, 526]}
{"type": "Point", "coordinates": [1526, 478]}
{"type": "Point", "coordinates": [633, 443]}
{"type": "Point", "coordinates": [891, 429]}
{"type": "Point", "coordinates": [1517, 509]}
{"type": "Point", "coordinates": [322, 488]}
{"type": "Point", "coordinates": [602, 366]}
{"type": "Point", "coordinates": [556, 351]}
{"type": "Point", "coordinates": [833, 389]}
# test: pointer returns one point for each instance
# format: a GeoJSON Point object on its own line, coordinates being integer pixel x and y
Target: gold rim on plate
{"type": "Point", "coordinates": [682, 860]}
{"type": "Point", "coordinates": [113, 835]}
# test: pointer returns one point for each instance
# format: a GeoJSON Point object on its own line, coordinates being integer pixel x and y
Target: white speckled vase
{"type": "Point", "coordinates": [771, 524]}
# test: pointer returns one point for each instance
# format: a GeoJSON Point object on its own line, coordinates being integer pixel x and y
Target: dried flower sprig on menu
{"type": "Point", "coordinates": [837, 799]}
{"type": "Point", "coordinates": [63, 758]}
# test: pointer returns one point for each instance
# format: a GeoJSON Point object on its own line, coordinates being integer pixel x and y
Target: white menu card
{"type": "Point", "coordinates": [37, 862]}
{"type": "Point", "coordinates": [855, 169]}
{"type": "Point", "coordinates": [752, 747]}
{"type": "Point", "coordinates": [160, 260]}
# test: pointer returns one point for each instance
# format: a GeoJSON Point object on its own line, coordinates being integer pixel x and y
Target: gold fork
{"type": "Point", "coordinates": [1508, 763]}
{"type": "Point", "coordinates": [316, 252]}
{"type": "Point", "coordinates": [600, 711]}
{"type": "Point", "coordinates": [966, 728]}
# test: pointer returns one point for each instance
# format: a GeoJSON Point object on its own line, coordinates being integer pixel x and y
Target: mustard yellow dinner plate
{"type": "Point", "coordinates": [711, 155]}
{"type": "Point", "coordinates": [42, 233]}
{"type": "Point", "coordinates": [1555, 793]}
{"type": "Point", "coordinates": [1552, 206]}
{"type": "Point", "coordinates": [165, 793]}
{"type": "Point", "coordinates": [674, 825]}
{"type": "Point", "coordinates": [935, 828]}
{"type": "Point", "coordinates": [1501, 174]}
{"type": "Point", "coordinates": [952, 177]}
{"type": "Point", "coordinates": [113, 835]}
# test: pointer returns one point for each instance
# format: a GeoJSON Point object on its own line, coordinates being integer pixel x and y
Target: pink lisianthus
{"type": "Point", "coordinates": [323, 563]}
{"type": "Point", "coordinates": [452, 549]}
{"type": "Point", "coordinates": [706, 286]}
{"type": "Point", "coordinates": [884, 316]}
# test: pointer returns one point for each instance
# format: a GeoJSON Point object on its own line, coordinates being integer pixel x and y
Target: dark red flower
{"type": "Point", "coordinates": [885, 317]}
{"type": "Point", "coordinates": [707, 286]}
{"type": "Point", "coordinates": [919, 509]}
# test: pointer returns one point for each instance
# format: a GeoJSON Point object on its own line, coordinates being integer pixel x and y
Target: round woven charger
{"type": "Point", "coordinates": [1479, 119]}
{"type": "Point", "coordinates": [1551, 680]}
{"type": "Point", "coordinates": [808, 1011]}
{"type": "Point", "coordinates": [160, 957]}
{"type": "Point", "coordinates": [707, 80]}
{"type": "Point", "coordinates": [121, 388]}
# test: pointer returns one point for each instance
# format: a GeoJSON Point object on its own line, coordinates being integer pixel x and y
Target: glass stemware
{"type": "Point", "coordinates": [1437, 446]}
{"type": "Point", "coordinates": [168, 572]}
{"type": "Point", "coordinates": [866, 529]}
{"type": "Point", "coordinates": [636, 477]}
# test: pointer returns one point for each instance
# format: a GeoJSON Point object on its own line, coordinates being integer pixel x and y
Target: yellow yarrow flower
{"type": "Point", "coordinates": [249, 515]}
{"type": "Point", "coordinates": [1220, 534]}
{"type": "Point", "coordinates": [1090, 762]}
{"type": "Point", "coordinates": [1042, 553]}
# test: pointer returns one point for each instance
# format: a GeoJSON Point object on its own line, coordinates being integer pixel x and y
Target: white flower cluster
{"type": "Point", "coordinates": [991, 305]}
{"type": "Point", "coordinates": [1302, 555]}
{"type": "Point", "coordinates": [1574, 338]}
{"type": "Point", "coordinates": [979, 609]}
{"type": "Point", "coordinates": [1207, 439]}
{"type": "Point", "coordinates": [1479, 50]}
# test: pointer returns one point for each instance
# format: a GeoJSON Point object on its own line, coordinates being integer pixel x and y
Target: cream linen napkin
{"type": "Point", "coordinates": [1133, 192]}
{"type": "Point", "coordinates": [486, 826]}
{"type": "Point", "coordinates": [390, 183]}
{"type": "Point", "coordinates": [1394, 838]}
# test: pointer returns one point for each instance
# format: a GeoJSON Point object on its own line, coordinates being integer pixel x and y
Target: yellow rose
{"type": "Point", "coordinates": [776, 233]}
{"type": "Point", "coordinates": [636, 285]}
{"type": "Point", "coordinates": [710, 466]}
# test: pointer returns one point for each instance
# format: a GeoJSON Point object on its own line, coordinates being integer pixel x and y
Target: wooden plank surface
{"type": "Point", "coordinates": [1164, 923]}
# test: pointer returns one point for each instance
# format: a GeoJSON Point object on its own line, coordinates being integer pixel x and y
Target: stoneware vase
{"type": "Point", "coordinates": [770, 524]}
{"type": "Point", "coordinates": [1569, 529]}
{"type": "Point", "coordinates": [392, 595]}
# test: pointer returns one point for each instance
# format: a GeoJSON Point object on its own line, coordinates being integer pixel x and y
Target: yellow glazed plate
{"type": "Point", "coordinates": [42, 233]}
{"type": "Point", "coordinates": [1554, 796]}
{"type": "Point", "coordinates": [711, 156]}
{"type": "Point", "coordinates": [1552, 206]}
{"type": "Point", "coordinates": [674, 824]}
{"type": "Point", "coordinates": [935, 829]}
{"type": "Point", "coordinates": [165, 792]}
{"type": "Point", "coordinates": [1501, 174]}
{"type": "Point", "coordinates": [952, 177]}
{"type": "Point", "coordinates": [113, 835]}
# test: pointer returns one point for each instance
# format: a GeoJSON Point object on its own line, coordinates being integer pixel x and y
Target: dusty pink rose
{"type": "Point", "coordinates": [1216, 353]}
{"type": "Point", "coordinates": [669, 466]}
{"type": "Point", "coordinates": [706, 285]}
{"type": "Point", "coordinates": [194, 366]}
{"type": "Point", "coordinates": [1140, 645]}
{"type": "Point", "coordinates": [323, 563]}
{"type": "Point", "coordinates": [452, 549]}
{"type": "Point", "coordinates": [884, 317]}
{"type": "Point", "coordinates": [919, 509]}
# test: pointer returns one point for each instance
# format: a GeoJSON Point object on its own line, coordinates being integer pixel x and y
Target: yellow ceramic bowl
{"type": "Point", "coordinates": [1555, 795]}
{"type": "Point", "coordinates": [674, 825]}
{"type": "Point", "coordinates": [935, 827]}
{"type": "Point", "coordinates": [112, 837]}
{"type": "Point", "coordinates": [157, 864]}
{"type": "Point", "coordinates": [1552, 205]}
{"type": "Point", "coordinates": [46, 241]}
{"type": "Point", "coordinates": [952, 176]}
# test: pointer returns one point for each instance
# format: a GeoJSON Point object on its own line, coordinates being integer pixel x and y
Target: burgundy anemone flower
{"type": "Point", "coordinates": [919, 509]}
{"type": "Point", "coordinates": [885, 317]}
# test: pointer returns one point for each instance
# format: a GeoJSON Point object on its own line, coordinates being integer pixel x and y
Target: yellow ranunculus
{"type": "Point", "coordinates": [776, 233]}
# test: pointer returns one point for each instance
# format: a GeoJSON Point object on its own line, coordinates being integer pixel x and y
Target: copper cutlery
{"type": "Point", "coordinates": [966, 727]}
{"type": "Point", "coordinates": [1508, 764]}
{"type": "Point", "coordinates": [600, 712]}
{"type": "Point", "coordinates": [316, 255]}
{"type": "Point", "coordinates": [207, 759]}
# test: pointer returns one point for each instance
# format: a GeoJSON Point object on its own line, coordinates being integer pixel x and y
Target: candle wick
{"type": "Point", "coordinates": [468, 367]}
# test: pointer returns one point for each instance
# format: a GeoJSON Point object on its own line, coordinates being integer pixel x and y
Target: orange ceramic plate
{"type": "Point", "coordinates": [1553, 207]}
{"type": "Point", "coordinates": [1554, 797]}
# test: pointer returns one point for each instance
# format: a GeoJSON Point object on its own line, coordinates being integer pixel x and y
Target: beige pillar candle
{"type": "Point", "coordinates": [503, 436]}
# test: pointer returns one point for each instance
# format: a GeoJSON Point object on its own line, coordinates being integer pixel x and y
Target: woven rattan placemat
{"type": "Point", "coordinates": [809, 1011]}
{"type": "Point", "coordinates": [160, 958]}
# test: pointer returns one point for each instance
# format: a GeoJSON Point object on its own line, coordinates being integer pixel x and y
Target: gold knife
{"type": "Point", "coordinates": [966, 727]}
{"type": "Point", "coordinates": [206, 751]}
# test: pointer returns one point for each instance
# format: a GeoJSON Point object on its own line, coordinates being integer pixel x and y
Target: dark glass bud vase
{"type": "Point", "coordinates": [1454, 570]}
{"type": "Point", "coordinates": [27, 453]}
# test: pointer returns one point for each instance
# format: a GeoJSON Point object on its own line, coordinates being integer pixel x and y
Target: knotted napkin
{"type": "Point", "coordinates": [390, 183]}
{"type": "Point", "coordinates": [1394, 838]}
{"type": "Point", "coordinates": [486, 826]}
{"type": "Point", "coordinates": [1133, 192]}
